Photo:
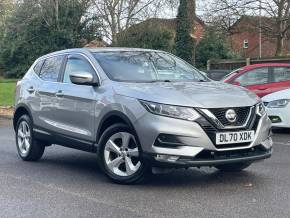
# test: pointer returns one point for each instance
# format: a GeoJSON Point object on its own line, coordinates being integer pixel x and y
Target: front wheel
{"type": "Point", "coordinates": [120, 156]}
{"type": "Point", "coordinates": [234, 167]}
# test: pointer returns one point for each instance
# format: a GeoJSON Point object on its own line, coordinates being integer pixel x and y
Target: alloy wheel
{"type": "Point", "coordinates": [23, 137]}
{"type": "Point", "coordinates": [121, 154]}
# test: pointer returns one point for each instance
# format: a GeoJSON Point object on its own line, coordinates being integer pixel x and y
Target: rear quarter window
{"type": "Point", "coordinates": [281, 74]}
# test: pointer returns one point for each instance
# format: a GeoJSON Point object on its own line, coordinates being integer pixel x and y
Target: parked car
{"type": "Point", "coordinates": [263, 79]}
{"type": "Point", "coordinates": [278, 108]}
{"type": "Point", "coordinates": [137, 109]}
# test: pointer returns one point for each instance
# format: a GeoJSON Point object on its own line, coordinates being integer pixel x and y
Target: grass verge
{"type": "Point", "coordinates": [7, 90]}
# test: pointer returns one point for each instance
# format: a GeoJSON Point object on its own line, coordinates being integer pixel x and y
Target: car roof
{"type": "Point", "coordinates": [252, 66]}
{"type": "Point", "coordinates": [93, 50]}
{"type": "Point", "coordinates": [98, 50]}
{"type": "Point", "coordinates": [118, 49]}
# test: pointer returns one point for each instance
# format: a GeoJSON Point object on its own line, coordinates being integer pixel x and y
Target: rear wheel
{"type": "Point", "coordinates": [29, 149]}
{"type": "Point", "coordinates": [120, 155]}
{"type": "Point", "coordinates": [234, 167]}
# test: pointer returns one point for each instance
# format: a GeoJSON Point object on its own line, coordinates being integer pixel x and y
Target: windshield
{"type": "Point", "coordinates": [146, 66]}
{"type": "Point", "coordinates": [229, 75]}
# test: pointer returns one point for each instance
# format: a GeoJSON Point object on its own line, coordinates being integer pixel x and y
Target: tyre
{"type": "Point", "coordinates": [29, 149]}
{"type": "Point", "coordinates": [234, 167]}
{"type": "Point", "coordinates": [120, 155]}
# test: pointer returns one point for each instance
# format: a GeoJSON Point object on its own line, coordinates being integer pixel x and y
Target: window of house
{"type": "Point", "coordinates": [281, 74]}
{"type": "Point", "coordinates": [254, 77]}
{"type": "Point", "coordinates": [246, 43]}
{"type": "Point", "coordinates": [51, 69]}
{"type": "Point", "coordinates": [76, 65]}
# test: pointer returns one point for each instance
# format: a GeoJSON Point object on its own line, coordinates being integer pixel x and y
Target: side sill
{"type": "Point", "coordinates": [64, 140]}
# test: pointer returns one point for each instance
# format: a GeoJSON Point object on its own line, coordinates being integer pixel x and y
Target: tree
{"type": "Point", "coordinates": [37, 27]}
{"type": "Point", "coordinates": [147, 35]}
{"type": "Point", "coordinates": [118, 15]}
{"type": "Point", "coordinates": [224, 13]}
{"type": "Point", "coordinates": [213, 45]}
{"type": "Point", "coordinates": [278, 10]}
{"type": "Point", "coordinates": [184, 30]}
{"type": "Point", "coordinates": [6, 8]}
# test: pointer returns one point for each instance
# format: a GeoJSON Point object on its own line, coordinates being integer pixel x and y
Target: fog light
{"type": "Point", "coordinates": [168, 141]}
{"type": "Point", "coordinates": [275, 119]}
{"type": "Point", "coordinates": [171, 158]}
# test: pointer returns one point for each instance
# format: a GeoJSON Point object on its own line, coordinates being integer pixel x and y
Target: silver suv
{"type": "Point", "coordinates": [137, 109]}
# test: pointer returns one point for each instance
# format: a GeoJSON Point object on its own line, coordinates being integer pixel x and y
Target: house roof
{"type": "Point", "coordinates": [252, 22]}
{"type": "Point", "coordinates": [96, 44]}
{"type": "Point", "coordinates": [169, 23]}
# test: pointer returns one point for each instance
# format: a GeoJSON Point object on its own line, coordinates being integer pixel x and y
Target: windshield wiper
{"type": "Point", "coordinates": [157, 81]}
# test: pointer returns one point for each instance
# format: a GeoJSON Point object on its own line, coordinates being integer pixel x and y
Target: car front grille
{"type": "Point", "coordinates": [211, 130]}
{"type": "Point", "coordinates": [242, 115]}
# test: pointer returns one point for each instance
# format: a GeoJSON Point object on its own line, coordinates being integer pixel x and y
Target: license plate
{"type": "Point", "coordinates": [234, 137]}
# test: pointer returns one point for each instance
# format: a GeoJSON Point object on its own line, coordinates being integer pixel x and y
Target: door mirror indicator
{"type": "Point", "coordinates": [83, 78]}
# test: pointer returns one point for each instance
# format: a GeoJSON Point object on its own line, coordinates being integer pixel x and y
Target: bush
{"type": "Point", "coordinates": [213, 45]}
{"type": "Point", "coordinates": [147, 35]}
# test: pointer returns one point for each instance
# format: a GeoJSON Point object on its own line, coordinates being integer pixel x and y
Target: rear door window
{"type": "Point", "coordinates": [50, 70]}
{"type": "Point", "coordinates": [281, 74]}
{"type": "Point", "coordinates": [254, 77]}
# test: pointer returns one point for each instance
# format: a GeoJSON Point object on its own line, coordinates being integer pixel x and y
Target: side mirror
{"type": "Point", "coordinates": [83, 78]}
{"type": "Point", "coordinates": [236, 83]}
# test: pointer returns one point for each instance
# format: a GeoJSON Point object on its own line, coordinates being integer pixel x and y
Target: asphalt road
{"type": "Point", "coordinates": [68, 183]}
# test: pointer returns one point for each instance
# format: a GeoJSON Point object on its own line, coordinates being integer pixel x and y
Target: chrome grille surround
{"type": "Point", "coordinates": [217, 117]}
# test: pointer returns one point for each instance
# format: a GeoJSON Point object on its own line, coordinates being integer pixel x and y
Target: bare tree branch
{"type": "Point", "coordinates": [118, 15]}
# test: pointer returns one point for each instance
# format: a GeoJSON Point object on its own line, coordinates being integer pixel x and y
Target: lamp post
{"type": "Point", "coordinates": [260, 29]}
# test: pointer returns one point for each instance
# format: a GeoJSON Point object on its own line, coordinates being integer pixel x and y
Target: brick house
{"type": "Point", "coordinates": [169, 24]}
{"type": "Point", "coordinates": [244, 37]}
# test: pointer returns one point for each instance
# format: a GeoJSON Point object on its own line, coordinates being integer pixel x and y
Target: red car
{"type": "Point", "coordinates": [263, 79]}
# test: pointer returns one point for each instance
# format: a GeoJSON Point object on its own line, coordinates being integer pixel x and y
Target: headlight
{"type": "Point", "coordinates": [260, 109]}
{"type": "Point", "coordinates": [178, 112]}
{"type": "Point", "coordinates": [278, 103]}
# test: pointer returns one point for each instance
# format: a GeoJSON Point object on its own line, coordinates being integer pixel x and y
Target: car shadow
{"type": "Point", "coordinates": [202, 178]}
{"type": "Point", "coordinates": [84, 166]}
{"type": "Point", "coordinates": [281, 130]}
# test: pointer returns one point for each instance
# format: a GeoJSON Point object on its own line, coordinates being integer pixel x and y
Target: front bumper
{"type": "Point", "coordinates": [280, 116]}
{"type": "Point", "coordinates": [195, 140]}
{"type": "Point", "coordinates": [210, 159]}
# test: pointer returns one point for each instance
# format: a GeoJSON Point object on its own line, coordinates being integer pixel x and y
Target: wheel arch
{"type": "Point", "coordinates": [19, 111]}
{"type": "Point", "coordinates": [111, 118]}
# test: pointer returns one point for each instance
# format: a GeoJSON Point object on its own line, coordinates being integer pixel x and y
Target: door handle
{"type": "Point", "coordinates": [59, 94]}
{"type": "Point", "coordinates": [31, 89]}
